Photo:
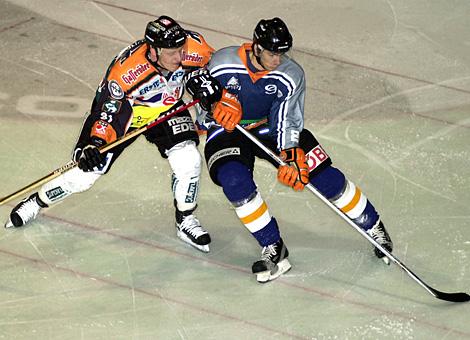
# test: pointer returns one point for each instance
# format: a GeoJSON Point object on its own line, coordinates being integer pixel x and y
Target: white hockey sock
{"type": "Point", "coordinates": [352, 201]}
{"type": "Point", "coordinates": [254, 214]}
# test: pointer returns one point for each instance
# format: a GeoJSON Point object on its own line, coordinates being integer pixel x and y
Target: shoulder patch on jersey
{"type": "Point", "coordinates": [111, 106]}
{"type": "Point", "coordinates": [115, 90]}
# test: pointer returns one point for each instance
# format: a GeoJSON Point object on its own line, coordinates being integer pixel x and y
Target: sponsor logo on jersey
{"type": "Point", "coordinates": [222, 153]}
{"type": "Point", "coordinates": [194, 57]}
{"type": "Point", "coordinates": [233, 84]}
{"type": "Point", "coordinates": [270, 89]}
{"type": "Point", "coordinates": [115, 90]}
{"type": "Point", "coordinates": [154, 86]}
{"type": "Point", "coordinates": [315, 157]}
{"type": "Point", "coordinates": [177, 75]}
{"type": "Point", "coordinates": [181, 124]}
{"type": "Point", "coordinates": [134, 73]}
{"type": "Point", "coordinates": [170, 99]}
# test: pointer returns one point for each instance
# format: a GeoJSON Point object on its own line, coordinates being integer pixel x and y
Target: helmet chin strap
{"type": "Point", "coordinates": [158, 52]}
{"type": "Point", "coordinates": [257, 49]}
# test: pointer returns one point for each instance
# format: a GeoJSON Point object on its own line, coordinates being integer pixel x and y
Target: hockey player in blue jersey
{"type": "Point", "coordinates": [262, 83]}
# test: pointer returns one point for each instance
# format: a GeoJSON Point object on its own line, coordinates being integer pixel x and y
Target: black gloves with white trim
{"type": "Point", "coordinates": [89, 158]}
{"type": "Point", "coordinates": [201, 85]}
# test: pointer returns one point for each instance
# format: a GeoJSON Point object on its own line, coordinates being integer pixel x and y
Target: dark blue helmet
{"type": "Point", "coordinates": [165, 33]}
{"type": "Point", "coordinates": [273, 35]}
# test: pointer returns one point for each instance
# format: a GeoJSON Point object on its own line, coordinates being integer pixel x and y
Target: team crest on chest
{"type": "Point", "coordinates": [270, 89]}
{"type": "Point", "coordinates": [233, 84]}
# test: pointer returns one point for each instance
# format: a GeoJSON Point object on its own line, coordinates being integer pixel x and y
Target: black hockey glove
{"type": "Point", "coordinates": [201, 85]}
{"type": "Point", "coordinates": [90, 157]}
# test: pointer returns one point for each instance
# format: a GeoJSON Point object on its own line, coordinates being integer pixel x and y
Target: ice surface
{"type": "Point", "coordinates": [388, 97]}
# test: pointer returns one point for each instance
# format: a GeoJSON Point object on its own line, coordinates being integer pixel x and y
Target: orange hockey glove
{"type": "Point", "coordinates": [295, 172]}
{"type": "Point", "coordinates": [228, 111]}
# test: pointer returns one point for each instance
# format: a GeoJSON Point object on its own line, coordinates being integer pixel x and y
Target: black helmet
{"type": "Point", "coordinates": [165, 33]}
{"type": "Point", "coordinates": [273, 35]}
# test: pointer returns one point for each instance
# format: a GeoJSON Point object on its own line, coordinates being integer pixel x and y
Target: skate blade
{"type": "Point", "coordinates": [9, 224]}
{"type": "Point", "coordinates": [204, 249]}
{"type": "Point", "coordinates": [268, 275]}
{"type": "Point", "coordinates": [184, 238]}
{"type": "Point", "coordinates": [386, 260]}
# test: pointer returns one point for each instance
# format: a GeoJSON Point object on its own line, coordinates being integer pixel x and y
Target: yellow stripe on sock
{"type": "Point", "coordinates": [348, 207]}
{"type": "Point", "coordinates": [254, 215]}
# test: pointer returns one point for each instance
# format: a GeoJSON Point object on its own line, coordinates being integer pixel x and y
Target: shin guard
{"type": "Point", "coordinates": [238, 185]}
{"type": "Point", "coordinates": [71, 182]}
{"type": "Point", "coordinates": [185, 161]}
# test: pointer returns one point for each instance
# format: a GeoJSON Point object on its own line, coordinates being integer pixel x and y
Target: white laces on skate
{"type": "Point", "coordinates": [192, 225]}
{"type": "Point", "coordinates": [268, 252]}
{"type": "Point", "coordinates": [271, 265]}
{"type": "Point", "coordinates": [378, 234]}
{"type": "Point", "coordinates": [28, 210]}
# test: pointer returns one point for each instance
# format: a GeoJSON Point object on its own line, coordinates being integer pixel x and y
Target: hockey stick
{"type": "Point", "coordinates": [70, 165]}
{"type": "Point", "coordinates": [452, 297]}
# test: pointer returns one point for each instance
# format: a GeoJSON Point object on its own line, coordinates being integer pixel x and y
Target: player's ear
{"type": "Point", "coordinates": [256, 50]}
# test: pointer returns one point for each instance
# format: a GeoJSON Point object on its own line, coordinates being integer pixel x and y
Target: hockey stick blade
{"type": "Point", "coordinates": [451, 297]}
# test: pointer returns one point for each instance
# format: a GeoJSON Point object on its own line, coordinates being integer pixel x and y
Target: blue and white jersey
{"type": "Point", "coordinates": [277, 95]}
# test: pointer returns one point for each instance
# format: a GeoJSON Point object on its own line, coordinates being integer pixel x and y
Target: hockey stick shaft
{"type": "Point", "coordinates": [453, 297]}
{"type": "Point", "coordinates": [70, 165]}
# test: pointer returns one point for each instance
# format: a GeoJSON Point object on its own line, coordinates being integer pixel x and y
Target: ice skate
{"type": "Point", "coordinates": [273, 262]}
{"type": "Point", "coordinates": [190, 230]}
{"type": "Point", "coordinates": [25, 211]}
{"type": "Point", "coordinates": [379, 233]}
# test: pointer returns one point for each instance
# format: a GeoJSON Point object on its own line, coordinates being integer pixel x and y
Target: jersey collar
{"type": "Point", "coordinates": [242, 52]}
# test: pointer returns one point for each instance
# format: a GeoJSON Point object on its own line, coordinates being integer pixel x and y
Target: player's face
{"type": "Point", "coordinates": [270, 60]}
{"type": "Point", "coordinates": [170, 58]}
